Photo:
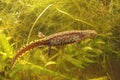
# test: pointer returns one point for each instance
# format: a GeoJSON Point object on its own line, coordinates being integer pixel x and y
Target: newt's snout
{"type": "Point", "coordinates": [93, 34]}
{"type": "Point", "coordinates": [89, 33]}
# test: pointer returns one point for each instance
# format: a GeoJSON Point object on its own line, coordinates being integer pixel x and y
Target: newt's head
{"type": "Point", "coordinates": [89, 33]}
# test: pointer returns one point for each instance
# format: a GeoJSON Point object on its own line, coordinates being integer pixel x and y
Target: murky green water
{"type": "Point", "coordinates": [87, 59]}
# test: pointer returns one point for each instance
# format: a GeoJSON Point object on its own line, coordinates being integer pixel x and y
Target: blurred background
{"type": "Point", "coordinates": [92, 59]}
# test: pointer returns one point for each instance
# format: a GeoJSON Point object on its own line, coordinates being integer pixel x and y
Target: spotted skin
{"type": "Point", "coordinates": [57, 39]}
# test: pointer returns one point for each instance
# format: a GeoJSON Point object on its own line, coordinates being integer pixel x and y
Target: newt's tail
{"type": "Point", "coordinates": [25, 48]}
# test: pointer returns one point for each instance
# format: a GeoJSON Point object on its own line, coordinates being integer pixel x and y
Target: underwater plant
{"type": "Point", "coordinates": [91, 59]}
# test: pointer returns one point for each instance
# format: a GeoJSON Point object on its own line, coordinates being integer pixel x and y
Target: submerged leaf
{"type": "Point", "coordinates": [4, 44]}
{"type": "Point", "coordinates": [75, 62]}
{"type": "Point", "coordinates": [50, 63]}
{"type": "Point", "coordinates": [100, 78]}
{"type": "Point", "coordinates": [100, 42]}
{"type": "Point", "coordinates": [87, 48]}
{"type": "Point", "coordinates": [36, 69]}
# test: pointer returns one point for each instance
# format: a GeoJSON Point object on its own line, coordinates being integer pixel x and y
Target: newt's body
{"type": "Point", "coordinates": [58, 39]}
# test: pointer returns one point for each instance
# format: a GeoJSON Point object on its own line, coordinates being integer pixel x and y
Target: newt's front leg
{"type": "Point", "coordinates": [41, 35]}
{"type": "Point", "coordinates": [77, 42]}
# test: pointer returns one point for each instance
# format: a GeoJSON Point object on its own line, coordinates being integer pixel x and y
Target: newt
{"type": "Point", "coordinates": [57, 39]}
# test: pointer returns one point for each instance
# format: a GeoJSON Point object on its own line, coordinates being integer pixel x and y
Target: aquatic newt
{"type": "Point", "coordinates": [57, 39]}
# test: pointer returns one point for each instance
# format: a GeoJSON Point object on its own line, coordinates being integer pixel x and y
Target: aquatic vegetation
{"type": "Point", "coordinates": [21, 20]}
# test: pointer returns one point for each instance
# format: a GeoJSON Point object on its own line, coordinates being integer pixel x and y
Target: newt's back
{"type": "Point", "coordinates": [68, 37]}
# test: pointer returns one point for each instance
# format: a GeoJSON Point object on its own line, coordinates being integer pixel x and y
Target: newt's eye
{"type": "Point", "coordinates": [82, 35]}
{"type": "Point", "coordinates": [92, 35]}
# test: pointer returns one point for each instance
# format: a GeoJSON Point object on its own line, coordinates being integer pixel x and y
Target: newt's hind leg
{"type": "Point", "coordinates": [49, 50]}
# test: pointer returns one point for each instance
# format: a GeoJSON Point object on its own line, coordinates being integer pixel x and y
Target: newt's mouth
{"type": "Point", "coordinates": [94, 34]}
